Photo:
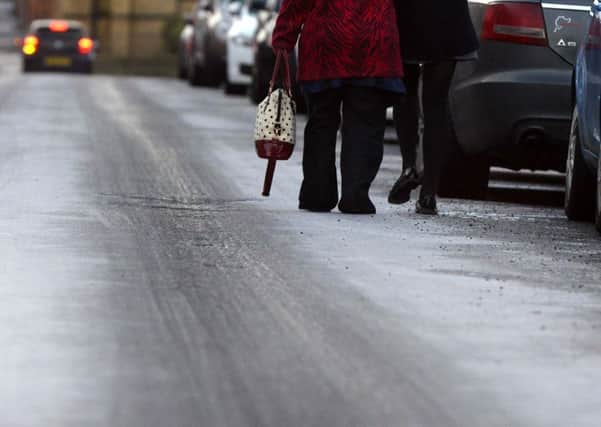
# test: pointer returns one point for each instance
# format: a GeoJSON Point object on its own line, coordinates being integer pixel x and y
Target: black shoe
{"type": "Point", "coordinates": [363, 207]}
{"type": "Point", "coordinates": [426, 205]}
{"type": "Point", "coordinates": [402, 188]}
{"type": "Point", "coordinates": [315, 208]}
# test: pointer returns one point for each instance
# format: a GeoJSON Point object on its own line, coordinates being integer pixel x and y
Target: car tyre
{"type": "Point", "coordinates": [580, 183]}
{"type": "Point", "coordinates": [213, 75]}
{"type": "Point", "coordinates": [598, 205]}
{"type": "Point", "coordinates": [233, 89]}
{"type": "Point", "coordinates": [196, 76]}
{"type": "Point", "coordinates": [182, 72]}
{"type": "Point", "coordinates": [257, 92]}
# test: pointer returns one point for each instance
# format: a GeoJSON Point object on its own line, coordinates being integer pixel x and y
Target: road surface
{"type": "Point", "coordinates": [144, 281]}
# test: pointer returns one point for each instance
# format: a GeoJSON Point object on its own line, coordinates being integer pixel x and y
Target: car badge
{"type": "Point", "coordinates": [561, 22]}
{"type": "Point", "coordinates": [58, 45]}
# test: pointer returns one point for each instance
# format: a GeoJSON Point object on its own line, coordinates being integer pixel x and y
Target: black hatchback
{"type": "Point", "coordinates": [55, 45]}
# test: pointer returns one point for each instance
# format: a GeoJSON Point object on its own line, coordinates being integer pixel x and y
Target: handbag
{"type": "Point", "coordinates": [275, 126]}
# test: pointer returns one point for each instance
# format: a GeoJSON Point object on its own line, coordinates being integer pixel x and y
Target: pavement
{"type": "Point", "coordinates": [145, 281]}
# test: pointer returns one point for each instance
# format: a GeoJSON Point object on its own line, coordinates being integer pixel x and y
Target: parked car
{"type": "Point", "coordinates": [240, 46]}
{"type": "Point", "coordinates": [512, 107]}
{"type": "Point", "coordinates": [583, 170]}
{"type": "Point", "coordinates": [185, 46]}
{"type": "Point", "coordinates": [211, 25]}
{"type": "Point", "coordinates": [263, 56]}
{"type": "Point", "coordinates": [264, 60]}
{"type": "Point", "coordinates": [53, 45]}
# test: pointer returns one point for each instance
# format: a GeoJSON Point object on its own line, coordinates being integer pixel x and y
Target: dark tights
{"type": "Point", "coordinates": [437, 79]}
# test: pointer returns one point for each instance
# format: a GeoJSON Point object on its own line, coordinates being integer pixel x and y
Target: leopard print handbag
{"type": "Point", "coordinates": [275, 126]}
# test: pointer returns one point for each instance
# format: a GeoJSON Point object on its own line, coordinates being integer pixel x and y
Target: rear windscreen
{"type": "Point", "coordinates": [69, 35]}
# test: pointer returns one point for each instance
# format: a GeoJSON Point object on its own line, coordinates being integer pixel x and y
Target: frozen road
{"type": "Point", "coordinates": [144, 281]}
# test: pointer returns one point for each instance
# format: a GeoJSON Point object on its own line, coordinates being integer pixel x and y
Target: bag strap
{"type": "Point", "coordinates": [281, 56]}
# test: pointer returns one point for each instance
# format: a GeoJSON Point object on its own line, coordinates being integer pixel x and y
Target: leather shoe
{"type": "Point", "coordinates": [402, 188]}
{"type": "Point", "coordinates": [363, 207]}
{"type": "Point", "coordinates": [426, 205]}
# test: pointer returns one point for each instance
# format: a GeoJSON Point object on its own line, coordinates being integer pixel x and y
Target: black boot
{"type": "Point", "coordinates": [363, 206]}
{"type": "Point", "coordinates": [402, 188]}
{"type": "Point", "coordinates": [426, 205]}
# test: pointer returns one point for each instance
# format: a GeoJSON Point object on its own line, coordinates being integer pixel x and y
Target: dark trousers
{"type": "Point", "coordinates": [363, 126]}
{"type": "Point", "coordinates": [436, 79]}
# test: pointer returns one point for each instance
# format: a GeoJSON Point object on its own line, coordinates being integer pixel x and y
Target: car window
{"type": "Point", "coordinates": [71, 34]}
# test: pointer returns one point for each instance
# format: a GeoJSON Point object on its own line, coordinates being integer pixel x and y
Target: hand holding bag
{"type": "Point", "coordinates": [275, 127]}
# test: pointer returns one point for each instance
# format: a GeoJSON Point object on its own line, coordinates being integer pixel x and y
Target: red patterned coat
{"type": "Point", "coordinates": [340, 38]}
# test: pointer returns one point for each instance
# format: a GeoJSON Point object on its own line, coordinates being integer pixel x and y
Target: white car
{"type": "Point", "coordinates": [239, 48]}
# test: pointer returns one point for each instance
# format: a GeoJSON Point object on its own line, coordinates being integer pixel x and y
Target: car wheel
{"type": "Point", "coordinates": [213, 76]}
{"type": "Point", "coordinates": [463, 177]}
{"type": "Point", "coordinates": [257, 92]}
{"type": "Point", "coordinates": [259, 85]}
{"type": "Point", "coordinates": [233, 88]}
{"type": "Point", "coordinates": [195, 75]}
{"type": "Point", "coordinates": [182, 72]}
{"type": "Point", "coordinates": [579, 201]}
{"type": "Point", "coordinates": [598, 205]}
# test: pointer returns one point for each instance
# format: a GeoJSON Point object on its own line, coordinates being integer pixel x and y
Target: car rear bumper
{"type": "Point", "coordinates": [77, 63]}
{"type": "Point", "coordinates": [510, 114]}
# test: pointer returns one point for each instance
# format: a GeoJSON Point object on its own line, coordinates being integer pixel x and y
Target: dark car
{"type": "Point", "coordinates": [57, 45]}
{"type": "Point", "coordinates": [212, 22]}
{"type": "Point", "coordinates": [264, 59]}
{"type": "Point", "coordinates": [583, 169]}
{"type": "Point", "coordinates": [185, 46]}
{"type": "Point", "coordinates": [512, 107]}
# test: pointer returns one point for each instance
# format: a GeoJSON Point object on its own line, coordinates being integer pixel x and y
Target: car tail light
{"type": "Point", "coordinates": [59, 26]}
{"type": "Point", "coordinates": [593, 37]}
{"type": "Point", "coordinates": [85, 45]}
{"type": "Point", "coordinates": [521, 23]}
{"type": "Point", "coordinates": [30, 45]}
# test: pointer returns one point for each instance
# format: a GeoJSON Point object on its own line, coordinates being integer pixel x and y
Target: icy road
{"type": "Point", "coordinates": [144, 281]}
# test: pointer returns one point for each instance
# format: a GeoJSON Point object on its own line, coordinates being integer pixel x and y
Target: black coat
{"type": "Point", "coordinates": [435, 30]}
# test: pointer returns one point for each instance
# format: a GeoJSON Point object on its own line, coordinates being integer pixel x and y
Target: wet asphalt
{"type": "Point", "coordinates": [144, 281]}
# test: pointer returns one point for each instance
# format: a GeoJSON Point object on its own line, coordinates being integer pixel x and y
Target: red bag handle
{"type": "Point", "coordinates": [281, 56]}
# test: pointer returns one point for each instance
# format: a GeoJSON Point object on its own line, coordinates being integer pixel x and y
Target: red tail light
{"type": "Point", "coordinates": [85, 45]}
{"type": "Point", "coordinates": [593, 37]}
{"type": "Point", "coordinates": [30, 45]}
{"type": "Point", "coordinates": [521, 23]}
{"type": "Point", "coordinates": [59, 26]}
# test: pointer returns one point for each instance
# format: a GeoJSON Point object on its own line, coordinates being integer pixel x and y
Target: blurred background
{"type": "Point", "coordinates": [136, 36]}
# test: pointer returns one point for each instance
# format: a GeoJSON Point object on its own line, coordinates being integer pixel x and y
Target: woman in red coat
{"type": "Point", "coordinates": [349, 63]}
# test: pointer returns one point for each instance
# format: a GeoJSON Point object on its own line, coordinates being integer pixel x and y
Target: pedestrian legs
{"type": "Point", "coordinates": [363, 127]}
{"type": "Point", "coordinates": [319, 191]}
{"type": "Point", "coordinates": [437, 78]}
{"type": "Point", "coordinates": [406, 117]}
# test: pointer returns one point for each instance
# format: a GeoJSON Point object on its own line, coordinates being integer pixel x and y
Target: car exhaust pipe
{"type": "Point", "coordinates": [531, 135]}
